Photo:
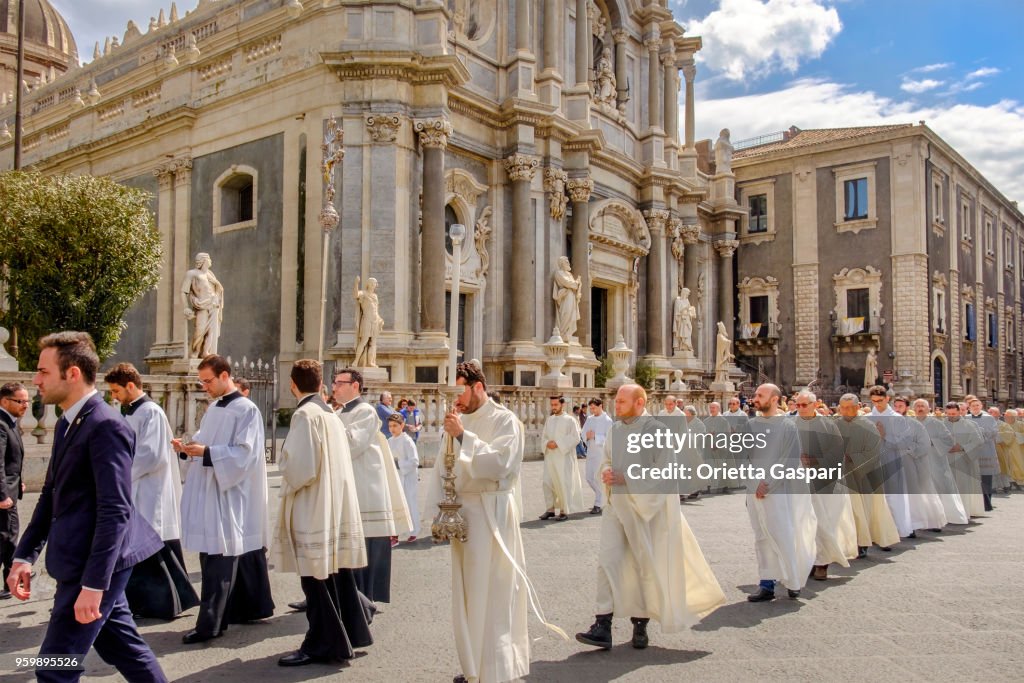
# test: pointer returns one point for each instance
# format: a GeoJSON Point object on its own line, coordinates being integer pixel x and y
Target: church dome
{"type": "Point", "coordinates": [44, 28]}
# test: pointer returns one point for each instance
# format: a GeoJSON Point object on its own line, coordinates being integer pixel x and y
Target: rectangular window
{"type": "Point", "coordinates": [990, 237]}
{"type": "Point", "coordinates": [759, 314]}
{"type": "Point", "coordinates": [993, 331]}
{"type": "Point", "coordinates": [937, 201]}
{"type": "Point", "coordinates": [758, 213]}
{"type": "Point", "coordinates": [965, 222]}
{"type": "Point", "coordinates": [970, 323]}
{"type": "Point", "coordinates": [858, 306]}
{"type": "Point", "coordinates": [856, 193]}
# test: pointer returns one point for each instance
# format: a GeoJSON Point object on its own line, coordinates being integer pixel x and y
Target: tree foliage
{"type": "Point", "coordinates": [644, 374]}
{"type": "Point", "coordinates": [77, 251]}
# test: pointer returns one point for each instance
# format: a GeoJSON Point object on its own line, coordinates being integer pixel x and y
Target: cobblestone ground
{"type": "Point", "coordinates": [944, 605]}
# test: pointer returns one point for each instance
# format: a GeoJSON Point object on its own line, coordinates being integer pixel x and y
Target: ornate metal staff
{"type": "Point", "coordinates": [331, 152]}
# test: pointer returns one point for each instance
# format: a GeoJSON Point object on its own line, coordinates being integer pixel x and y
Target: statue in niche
{"type": "Point", "coordinates": [203, 298]}
{"type": "Point", "coordinates": [566, 290]}
{"type": "Point", "coordinates": [604, 80]}
{"type": "Point", "coordinates": [369, 324]}
{"type": "Point", "coordinates": [871, 368]}
{"type": "Point", "coordinates": [723, 153]}
{"type": "Point", "coordinates": [723, 354]}
{"type": "Point", "coordinates": [683, 314]}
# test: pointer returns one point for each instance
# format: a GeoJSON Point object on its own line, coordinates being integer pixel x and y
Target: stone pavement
{"type": "Point", "coordinates": [945, 605]}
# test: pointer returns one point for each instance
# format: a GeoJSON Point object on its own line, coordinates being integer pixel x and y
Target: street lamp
{"type": "Point", "coordinates": [331, 152]}
{"type": "Point", "coordinates": [457, 233]}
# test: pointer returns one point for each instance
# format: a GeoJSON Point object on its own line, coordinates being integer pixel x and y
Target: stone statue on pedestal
{"type": "Point", "coordinates": [871, 368]}
{"type": "Point", "coordinates": [203, 299]}
{"type": "Point", "coordinates": [677, 384]}
{"type": "Point", "coordinates": [723, 153]}
{"type": "Point", "coordinates": [566, 290]}
{"type": "Point", "coordinates": [369, 324]}
{"type": "Point", "coordinates": [723, 354]}
{"type": "Point", "coordinates": [604, 82]}
{"type": "Point", "coordinates": [683, 314]}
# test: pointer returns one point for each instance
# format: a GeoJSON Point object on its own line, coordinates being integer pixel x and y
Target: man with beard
{"type": "Point", "coordinates": [562, 489]}
{"type": "Point", "coordinates": [938, 464]}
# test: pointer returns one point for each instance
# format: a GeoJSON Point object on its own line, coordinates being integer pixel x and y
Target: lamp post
{"type": "Point", "coordinates": [457, 233]}
{"type": "Point", "coordinates": [18, 88]}
{"type": "Point", "coordinates": [331, 153]}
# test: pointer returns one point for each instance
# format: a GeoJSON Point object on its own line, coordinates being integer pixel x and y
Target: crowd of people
{"type": "Point", "coordinates": [123, 499]}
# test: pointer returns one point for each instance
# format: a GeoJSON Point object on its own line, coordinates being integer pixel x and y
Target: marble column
{"type": "Point", "coordinates": [579, 192]}
{"type": "Point", "coordinates": [165, 293]}
{"type": "Point", "coordinates": [523, 284]}
{"type": "Point", "coordinates": [182, 230]}
{"type": "Point", "coordinates": [620, 37]}
{"type": "Point", "coordinates": [433, 135]}
{"type": "Point", "coordinates": [552, 12]}
{"type": "Point", "coordinates": [653, 45]}
{"type": "Point", "coordinates": [523, 26]}
{"type": "Point", "coordinates": [654, 314]}
{"type": "Point", "coordinates": [690, 234]}
{"type": "Point", "coordinates": [671, 96]}
{"type": "Point", "coordinates": [690, 73]}
{"type": "Point", "coordinates": [582, 43]}
{"type": "Point", "coordinates": [726, 289]}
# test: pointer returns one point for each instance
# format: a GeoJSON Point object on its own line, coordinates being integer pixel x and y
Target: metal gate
{"type": "Point", "coordinates": [262, 379]}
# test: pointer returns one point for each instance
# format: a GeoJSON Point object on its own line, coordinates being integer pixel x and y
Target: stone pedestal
{"type": "Point", "coordinates": [173, 366]}
{"type": "Point", "coordinates": [620, 355]}
{"type": "Point", "coordinates": [557, 351]}
{"type": "Point", "coordinates": [374, 376]}
{"type": "Point", "coordinates": [7, 363]}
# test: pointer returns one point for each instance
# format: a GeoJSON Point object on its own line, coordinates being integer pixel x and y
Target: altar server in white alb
{"type": "Point", "coordinates": [319, 535]}
{"type": "Point", "coordinates": [780, 510]}
{"type": "Point", "coordinates": [595, 434]}
{"type": "Point", "coordinates": [159, 586]}
{"type": "Point", "coordinates": [938, 464]}
{"type": "Point", "coordinates": [562, 489]}
{"type": "Point", "coordinates": [649, 563]}
{"type": "Point", "coordinates": [490, 588]}
{"type": "Point", "coordinates": [407, 459]}
{"type": "Point", "coordinates": [381, 498]}
{"type": "Point", "coordinates": [224, 511]}
{"type": "Point", "coordinates": [895, 451]}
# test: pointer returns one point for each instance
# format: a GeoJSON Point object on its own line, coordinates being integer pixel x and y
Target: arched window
{"type": "Point", "coordinates": [235, 199]}
{"type": "Point", "coordinates": [450, 219]}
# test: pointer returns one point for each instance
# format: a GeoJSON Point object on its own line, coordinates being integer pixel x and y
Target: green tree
{"type": "Point", "coordinates": [644, 374]}
{"type": "Point", "coordinates": [77, 251]}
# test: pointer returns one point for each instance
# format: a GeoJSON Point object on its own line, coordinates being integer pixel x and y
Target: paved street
{"type": "Point", "coordinates": [946, 605]}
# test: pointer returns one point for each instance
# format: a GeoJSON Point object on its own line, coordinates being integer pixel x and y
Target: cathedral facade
{"type": "Point", "coordinates": [549, 129]}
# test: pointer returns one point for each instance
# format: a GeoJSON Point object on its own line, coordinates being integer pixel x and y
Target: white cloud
{"type": "Point", "coordinates": [917, 87]}
{"type": "Point", "coordinates": [987, 136]}
{"type": "Point", "coordinates": [928, 68]}
{"type": "Point", "coordinates": [983, 72]}
{"type": "Point", "coordinates": [747, 38]}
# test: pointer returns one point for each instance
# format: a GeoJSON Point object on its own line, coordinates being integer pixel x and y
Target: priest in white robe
{"type": "Point", "coordinates": [926, 511]}
{"type": "Point", "coordinates": [224, 510]}
{"type": "Point", "coordinates": [562, 489]}
{"type": "Point", "coordinates": [159, 585]}
{"type": "Point", "coordinates": [938, 464]}
{"type": "Point", "coordinates": [650, 565]}
{"type": "Point", "coordinates": [319, 534]}
{"type": "Point", "coordinates": [780, 510]}
{"type": "Point", "coordinates": [490, 588]}
{"type": "Point", "coordinates": [595, 434]}
{"type": "Point", "coordinates": [895, 450]}
{"type": "Point", "coordinates": [984, 455]}
{"type": "Point", "coordinates": [407, 459]}
{"type": "Point", "coordinates": [963, 459]}
{"type": "Point", "coordinates": [381, 499]}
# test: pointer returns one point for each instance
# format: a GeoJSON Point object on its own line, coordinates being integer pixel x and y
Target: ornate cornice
{"type": "Point", "coordinates": [434, 132]}
{"type": "Point", "coordinates": [383, 127]}
{"type": "Point", "coordinates": [580, 189]}
{"type": "Point", "coordinates": [521, 167]}
{"type": "Point", "coordinates": [402, 66]}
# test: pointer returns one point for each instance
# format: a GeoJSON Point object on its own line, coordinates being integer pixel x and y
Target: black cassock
{"type": "Point", "coordinates": [159, 586]}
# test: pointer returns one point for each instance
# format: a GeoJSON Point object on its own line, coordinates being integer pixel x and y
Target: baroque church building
{"type": "Point", "coordinates": [549, 128]}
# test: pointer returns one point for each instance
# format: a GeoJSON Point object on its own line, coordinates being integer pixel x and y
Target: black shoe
{"type": "Point", "coordinates": [913, 534]}
{"type": "Point", "coordinates": [693, 496]}
{"type": "Point", "coordinates": [595, 510]}
{"type": "Point", "coordinates": [5, 594]}
{"type": "Point", "coordinates": [793, 595]}
{"type": "Point", "coordinates": [547, 515]}
{"type": "Point", "coordinates": [989, 508]}
{"type": "Point", "coordinates": [762, 595]}
{"type": "Point", "coordinates": [299, 606]}
{"type": "Point", "coordinates": [885, 548]}
{"type": "Point", "coordinates": [193, 637]}
{"type": "Point", "coordinates": [297, 658]}
{"type": "Point", "coordinates": [600, 633]}
{"type": "Point", "coordinates": [459, 679]}
{"type": "Point", "coordinates": [562, 517]}
{"type": "Point", "coordinates": [862, 552]}
{"type": "Point", "coordinates": [640, 639]}
{"type": "Point", "coordinates": [937, 531]}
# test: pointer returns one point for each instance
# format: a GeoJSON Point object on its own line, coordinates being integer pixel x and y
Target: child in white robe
{"type": "Point", "coordinates": [403, 448]}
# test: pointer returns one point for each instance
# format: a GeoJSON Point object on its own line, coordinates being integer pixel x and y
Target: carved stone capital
{"type": "Point", "coordinates": [433, 132]}
{"type": "Point", "coordinates": [653, 44]}
{"type": "Point", "coordinates": [580, 189]}
{"type": "Point", "coordinates": [620, 35]}
{"type": "Point", "coordinates": [383, 127]}
{"type": "Point", "coordinates": [673, 227]}
{"type": "Point", "coordinates": [164, 177]}
{"type": "Point", "coordinates": [656, 220]}
{"type": "Point", "coordinates": [689, 71]}
{"type": "Point", "coordinates": [521, 167]}
{"type": "Point", "coordinates": [669, 59]}
{"type": "Point", "coordinates": [182, 169]}
{"type": "Point", "coordinates": [690, 234]}
{"type": "Point", "coordinates": [554, 184]}
{"type": "Point", "coordinates": [726, 248]}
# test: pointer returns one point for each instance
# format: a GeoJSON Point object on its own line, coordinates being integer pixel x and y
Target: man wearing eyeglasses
{"type": "Point", "coordinates": [895, 450]}
{"type": "Point", "coordinates": [14, 403]}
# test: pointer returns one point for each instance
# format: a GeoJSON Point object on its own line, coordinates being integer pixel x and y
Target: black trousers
{"type": "Point", "coordinates": [374, 580]}
{"type": "Point", "coordinates": [235, 589]}
{"type": "Point", "coordinates": [986, 490]}
{"type": "Point", "coordinates": [218, 578]}
{"type": "Point", "coordinates": [337, 620]}
{"type": "Point", "coordinates": [8, 538]}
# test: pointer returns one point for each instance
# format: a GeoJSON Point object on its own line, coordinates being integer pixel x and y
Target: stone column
{"type": "Point", "coordinates": [582, 42]}
{"type": "Point", "coordinates": [671, 96]}
{"type": "Point", "coordinates": [182, 259]}
{"type": "Point", "coordinates": [656, 281]}
{"type": "Point", "coordinates": [689, 72]}
{"type": "Point", "coordinates": [166, 296]}
{"type": "Point", "coordinates": [520, 169]}
{"type": "Point", "coordinates": [690, 234]}
{"type": "Point", "coordinates": [433, 134]}
{"type": "Point", "coordinates": [621, 77]}
{"type": "Point", "coordinates": [726, 290]}
{"type": "Point", "coordinates": [579, 192]}
{"type": "Point", "coordinates": [552, 12]}
{"type": "Point", "coordinates": [523, 26]}
{"type": "Point", "coordinates": [653, 45]}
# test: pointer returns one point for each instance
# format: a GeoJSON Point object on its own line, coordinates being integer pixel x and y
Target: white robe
{"type": "Point", "coordinates": [156, 478]}
{"type": "Point", "coordinates": [836, 536]}
{"type": "Point", "coordinates": [381, 499]}
{"type": "Point", "coordinates": [407, 460]}
{"type": "Point", "coordinates": [562, 488]}
{"type": "Point", "coordinates": [224, 507]}
{"type": "Point", "coordinates": [650, 564]}
{"type": "Point", "coordinates": [318, 530]}
{"type": "Point", "coordinates": [896, 448]}
{"type": "Point", "coordinates": [490, 588]}
{"type": "Point", "coordinates": [964, 464]}
{"type": "Point", "coordinates": [599, 424]}
{"type": "Point", "coordinates": [942, 476]}
{"type": "Point", "coordinates": [871, 514]}
{"type": "Point", "coordinates": [926, 510]}
{"type": "Point", "coordinates": [783, 521]}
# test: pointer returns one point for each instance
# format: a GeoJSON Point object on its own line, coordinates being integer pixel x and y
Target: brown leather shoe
{"type": "Point", "coordinates": [820, 573]}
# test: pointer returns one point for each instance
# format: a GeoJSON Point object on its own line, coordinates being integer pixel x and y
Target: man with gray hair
{"type": "Point", "coordinates": [671, 408]}
{"type": "Point", "coordinates": [384, 412]}
{"type": "Point", "coordinates": [938, 464]}
{"type": "Point", "coordinates": [716, 424]}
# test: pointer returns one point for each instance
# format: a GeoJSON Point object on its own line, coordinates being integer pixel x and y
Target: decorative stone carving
{"type": "Point", "coordinates": [656, 220]}
{"type": "Point", "coordinates": [726, 248]}
{"type": "Point", "coordinates": [620, 35]}
{"type": "Point", "coordinates": [521, 167]}
{"type": "Point", "coordinates": [566, 290]}
{"type": "Point", "coordinates": [678, 244]}
{"type": "Point", "coordinates": [619, 355]}
{"type": "Point", "coordinates": [556, 350]}
{"type": "Point", "coordinates": [723, 355]}
{"type": "Point", "coordinates": [369, 324]}
{"type": "Point", "coordinates": [433, 132]}
{"type": "Point", "coordinates": [871, 368]}
{"type": "Point", "coordinates": [723, 153]}
{"type": "Point", "coordinates": [604, 81]}
{"type": "Point", "coordinates": [690, 233]}
{"type": "Point", "coordinates": [580, 189]}
{"type": "Point", "coordinates": [598, 22]}
{"type": "Point", "coordinates": [677, 384]}
{"type": "Point", "coordinates": [554, 184]}
{"type": "Point", "coordinates": [481, 233]}
{"type": "Point", "coordinates": [653, 43]}
{"type": "Point", "coordinates": [683, 314]}
{"type": "Point", "coordinates": [618, 225]}
{"type": "Point", "coordinates": [383, 127]}
{"type": "Point", "coordinates": [462, 184]}
{"type": "Point", "coordinates": [203, 299]}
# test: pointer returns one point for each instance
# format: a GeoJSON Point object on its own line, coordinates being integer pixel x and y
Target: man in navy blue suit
{"type": "Point", "coordinates": [85, 512]}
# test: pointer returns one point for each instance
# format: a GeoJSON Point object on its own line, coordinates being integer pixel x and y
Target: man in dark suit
{"type": "Point", "coordinates": [86, 515]}
{"type": "Point", "coordinates": [13, 404]}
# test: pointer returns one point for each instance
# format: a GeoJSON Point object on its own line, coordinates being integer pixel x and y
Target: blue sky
{"type": "Point", "coordinates": [770, 64]}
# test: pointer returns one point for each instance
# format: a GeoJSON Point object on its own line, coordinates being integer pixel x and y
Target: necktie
{"type": "Point", "coordinates": [58, 434]}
